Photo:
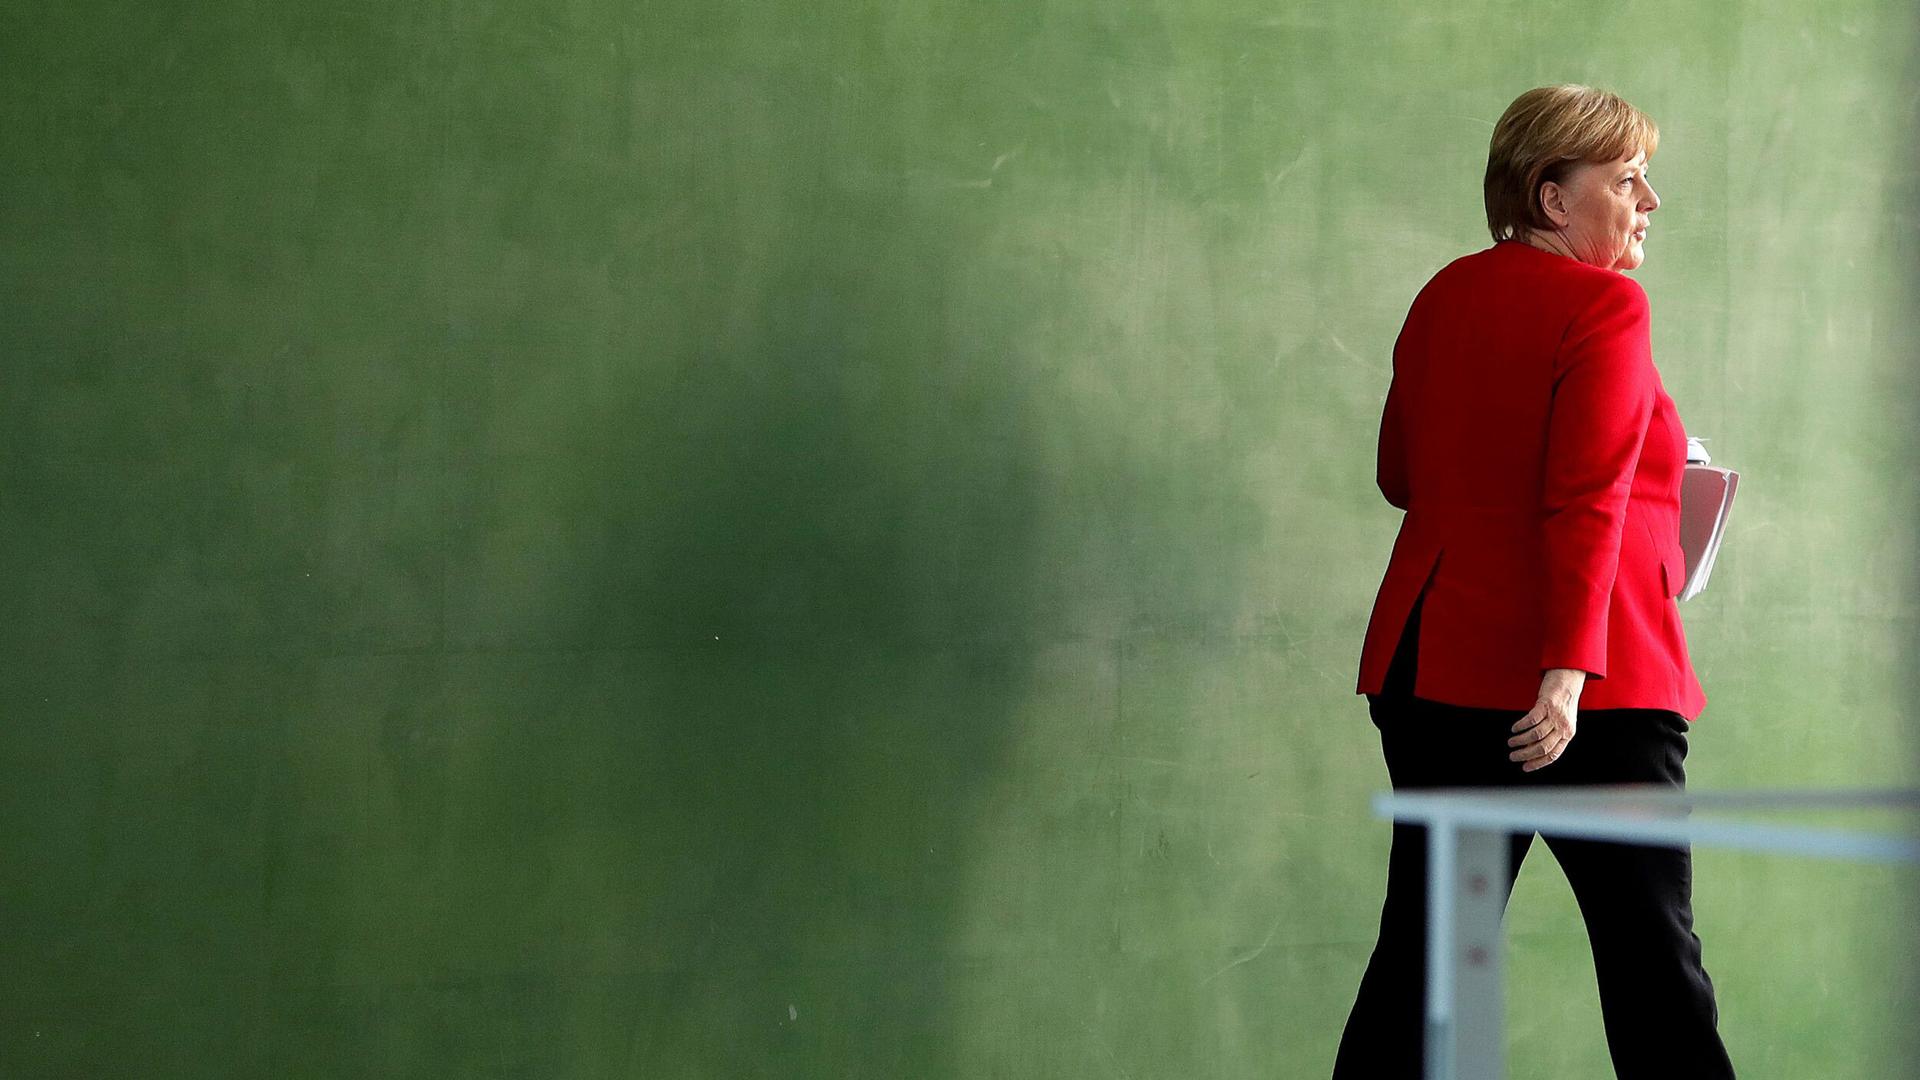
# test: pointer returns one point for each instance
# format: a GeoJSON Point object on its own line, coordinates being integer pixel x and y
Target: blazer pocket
{"type": "Point", "coordinates": [1673, 570]}
{"type": "Point", "coordinates": [1673, 562]}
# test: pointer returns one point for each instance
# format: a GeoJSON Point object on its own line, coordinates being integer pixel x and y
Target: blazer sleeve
{"type": "Point", "coordinates": [1390, 470]}
{"type": "Point", "coordinates": [1602, 403]}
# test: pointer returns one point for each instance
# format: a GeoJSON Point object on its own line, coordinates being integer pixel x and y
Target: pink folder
{"type": "Point", "coordinates": [1706, 496]}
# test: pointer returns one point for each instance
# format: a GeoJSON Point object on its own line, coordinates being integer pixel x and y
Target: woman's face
{"type": "Point", "coordinates": [1600, 211]}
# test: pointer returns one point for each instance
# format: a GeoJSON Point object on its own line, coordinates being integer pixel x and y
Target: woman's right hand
{"type": "Point", "coordinates": [1542, 735]}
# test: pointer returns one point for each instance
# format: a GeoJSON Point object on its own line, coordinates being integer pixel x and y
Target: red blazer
{"type": "Point", "coordinates": [1538, 459]}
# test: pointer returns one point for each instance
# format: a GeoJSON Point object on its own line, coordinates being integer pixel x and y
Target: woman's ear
{"type": "Point", "coordinates": [1553, 204]}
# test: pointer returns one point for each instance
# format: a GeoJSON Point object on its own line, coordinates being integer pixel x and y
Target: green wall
{"type": "Point", "coordinates": [568, 539]}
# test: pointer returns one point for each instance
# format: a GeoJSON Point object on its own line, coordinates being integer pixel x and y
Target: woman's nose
{"type": "Point", "coordinates": [1652, 201]}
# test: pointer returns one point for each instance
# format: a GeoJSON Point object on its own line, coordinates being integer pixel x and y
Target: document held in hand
{"type": "Point", "coordinates": [1706, 496]}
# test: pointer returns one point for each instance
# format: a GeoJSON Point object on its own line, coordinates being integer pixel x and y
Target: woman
{"type": "Point", "coordinates": [1530, 593]}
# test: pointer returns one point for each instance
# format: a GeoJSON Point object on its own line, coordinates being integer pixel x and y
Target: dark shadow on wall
{"type": "Point", "coordinates": [742, 585]}
{"type": "Point", "coordinates": [503, 582]}
{"type": "Point", "coordinates": [772, 606]}
{"type": "Point", "coordinates": [529, 556]}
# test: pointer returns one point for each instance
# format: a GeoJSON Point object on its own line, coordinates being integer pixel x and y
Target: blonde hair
{"type": "Point", "coordinates": [1542, 135]}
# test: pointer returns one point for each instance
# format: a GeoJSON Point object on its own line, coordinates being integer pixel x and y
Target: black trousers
{"type": "Point", "coordinates": [1655, 998]}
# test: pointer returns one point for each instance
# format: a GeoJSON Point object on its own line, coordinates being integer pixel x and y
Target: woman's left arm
{"type": "Point", "coordinates": [1602, 402]}
{"type": "Point", "coordinates": [1390, 469]}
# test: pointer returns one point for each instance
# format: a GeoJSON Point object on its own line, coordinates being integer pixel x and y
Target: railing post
{"type": "Point", "coordinates": [1440, 1028]}
{"type": "Point", "coordinates": [1479, 967]}
{"type": "Point", "coordinates": [1466, 1001]}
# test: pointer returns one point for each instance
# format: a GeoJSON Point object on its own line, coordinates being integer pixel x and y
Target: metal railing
{"type": "Point", "coordinates": [1467, 866]}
